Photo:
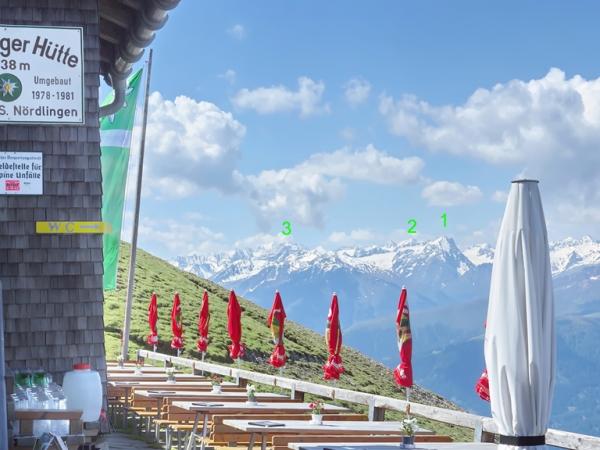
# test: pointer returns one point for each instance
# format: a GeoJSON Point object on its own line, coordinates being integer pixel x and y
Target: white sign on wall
{"type": "Point", "coordinates": [21, 173]}
{"type": "Point", "coordinates": [41, 75]}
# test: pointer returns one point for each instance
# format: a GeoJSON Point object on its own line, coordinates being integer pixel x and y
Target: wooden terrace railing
{"type": "Point", "coordinates": [484, 428]}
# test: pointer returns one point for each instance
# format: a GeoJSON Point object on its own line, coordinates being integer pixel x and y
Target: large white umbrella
{"type": "Point", "coordinates": [520, 345]}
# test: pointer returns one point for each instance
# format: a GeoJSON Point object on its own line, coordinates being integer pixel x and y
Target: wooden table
{"type": "Point", "coordinates": [391, 445]}
{"type": "Point", "coordinates": [127, 386]}
{"type": "Point", "coordinates": [153, 377]}
{"type": "Point", "coordinates": [116, 370]}
{"type": "Point", "coordinates": [241, 407]}
{"type": "Point", "coordinates": [328, 427]}
{"type": "Point", "coordinates": [26, 417]}
{"type": "Point", "coordinates": [206, 396]}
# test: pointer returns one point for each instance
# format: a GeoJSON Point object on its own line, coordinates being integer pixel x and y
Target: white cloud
{"type": "Point", "coordinates": [500, 196]}
{"type": "Point", "coordinates": [546, 128]}
{"type": "Point", "coordinates": [291, 194]}
{"type": "Point", "coordinates": [237, 31]}
{"type": "Point", "coordinates": [357, 91]}
{"type": "Point", "coordinates": [370, 164]}
{"type": "Point", "coordinates": [268, 100]}
{"type": "Point", "coordinates": [516, 122]}
{"type": "Point", "coordinates": [229, 75]}
{"type": "Point", "coordinates": [343, 238]}
{"type": "Point", "coordinates": [191, 145]}
{"type": "Point", "coordinates": [302, 192]}
{"type": "Point", "coordinates": [175, 237]}
{"type": "Point", "coordinates": [261, 240]}
{"type": "Point", "coordinates": [446, 193]}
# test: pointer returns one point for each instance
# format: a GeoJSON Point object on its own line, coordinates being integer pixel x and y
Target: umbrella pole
{"type": "Point", "coordinates": [202, 372]}
{"type": "Point", "coordinates": [178, 352]}
{"type": "Point", "coordinates": [154, 348]}
{"type": "Point", "coordinates": [407, 395]}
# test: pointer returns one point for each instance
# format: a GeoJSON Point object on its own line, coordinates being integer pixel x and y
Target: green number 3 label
{"type": "Point", "coordinates": [413, 225]}
{"type": "Point", "coordinates": [287, 228]}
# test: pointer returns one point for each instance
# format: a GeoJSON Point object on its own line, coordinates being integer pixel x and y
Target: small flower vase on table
{"type": "Point", "coordinates": [251, 391]}
{"type": "Point", "coordinates": [170, 375]}
{"type": "Point", "coordinates": [408, 441]}
{"type": "Point", "coordinates": [216, 381]}
{"type": "Point", "coordinates": [408, 426]}
{"type": "Point", "coordinates": [316, 416]}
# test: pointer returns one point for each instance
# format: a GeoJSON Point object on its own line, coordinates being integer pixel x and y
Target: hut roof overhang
{"type": "Point", "coordinates": [127, 27]}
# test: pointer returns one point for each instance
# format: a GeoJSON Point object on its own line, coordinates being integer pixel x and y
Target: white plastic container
{"type": "Point", "coordinates": [83, 390]}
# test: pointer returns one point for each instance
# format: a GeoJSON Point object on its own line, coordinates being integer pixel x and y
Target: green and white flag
{"type": "Point", "coordinates": [115, 141]}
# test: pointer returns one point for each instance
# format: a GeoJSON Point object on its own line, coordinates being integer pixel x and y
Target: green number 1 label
{"type": "Point", "coordinates": [444, 220]}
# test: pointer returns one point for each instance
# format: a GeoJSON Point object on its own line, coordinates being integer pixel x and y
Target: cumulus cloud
{"type": "Point", "coordinates": [237, 31]}
{"type": "Point", "coordinates": [294, 194]}
{"type": "Point", "coordinates": [357, 91]}
{"type": "Point", "coordinates": [175, 237]}
{"type": "Point", "coordinates": [302, 192]}
{"type": "Point", "coordinates": [191, 145]}
{"type": "Point", "coordinates": [269, 100]}
{"type": "Point", "coordinates": [354, 236]}
{"type": "Point", "coordinates": [261, 240]}
{"type": "Point", "coordinates": [446, 193]}
{"type": "Point", "coordinates": [519, 121]}
{"type": "Point", "coordinates": [546, 128]}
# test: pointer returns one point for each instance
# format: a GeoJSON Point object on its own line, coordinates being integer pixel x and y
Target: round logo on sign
{"type": "Point", "coordinates": [10, 87]}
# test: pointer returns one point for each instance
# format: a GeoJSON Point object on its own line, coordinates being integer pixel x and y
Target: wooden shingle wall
{"type": "Point", "coordinates": [52, 284]}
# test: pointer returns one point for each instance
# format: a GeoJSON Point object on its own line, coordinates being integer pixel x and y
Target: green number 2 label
{"type": "Point", "coordinates": [287, 228]}
{"type": "Point", "coordinates": [413, 224]}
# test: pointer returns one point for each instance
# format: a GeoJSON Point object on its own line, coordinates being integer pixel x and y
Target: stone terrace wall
{"type": "Point", "coordinates": [52, 284]}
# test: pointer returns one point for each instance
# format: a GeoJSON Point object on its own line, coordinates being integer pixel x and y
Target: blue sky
{"type": "Point", "coordinates": [350, 118]}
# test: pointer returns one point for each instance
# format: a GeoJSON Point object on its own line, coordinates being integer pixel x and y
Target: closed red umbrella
{"type": "Point", "coordinates": [483, 386]}
{"type": "Point", "coordinates": [203, 320]}
{"type": "Point", "coordinates": [333, 368]}
{"type": "Point", "coordinates": [234, 327]}
{"type": "Point", "coordinates": [176, 324]}
{"type": "Point", "coordinates": [403, 372]}
{"type": "Point", "coordinates": [152, 320]}
{"type": "Point", "coordinates": [276, 321]}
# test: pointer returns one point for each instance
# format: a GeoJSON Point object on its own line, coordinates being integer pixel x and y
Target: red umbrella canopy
{"type": "Point", "coordinates": [152, 320]}
{"type": "Point", "coordinates": [234, 327]}
{"type": "Point", "coordinates": [403, 372]}
{"type": "Point", "coordinates": [203, 320]}
{"type": "Point", "coordinates": [176, 323]}
{"type": "Point", "coordinates": [276, 321]}
{"type": "Point", "coordinates": [333, 338]}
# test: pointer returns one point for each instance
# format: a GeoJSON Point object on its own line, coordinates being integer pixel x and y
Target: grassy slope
{"type": "Point", "coordinates": [306, 349]}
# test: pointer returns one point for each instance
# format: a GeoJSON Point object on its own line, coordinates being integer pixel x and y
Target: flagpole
{"type": "Point", "coordinates": [136, 217]}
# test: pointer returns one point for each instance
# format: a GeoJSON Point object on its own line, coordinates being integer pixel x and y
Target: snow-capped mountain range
{"type": "Point", "coordinates": [436, 270]}
{"type": "Point", "coordinates": [448, 290]}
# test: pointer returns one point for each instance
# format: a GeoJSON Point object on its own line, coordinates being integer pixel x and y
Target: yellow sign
{"type": "Point", "coordinates": [72, 227]}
